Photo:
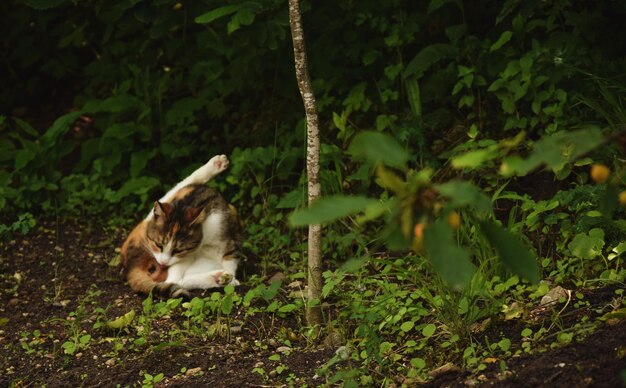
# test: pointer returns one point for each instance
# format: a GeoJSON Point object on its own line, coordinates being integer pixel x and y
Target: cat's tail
{"type": "Point", "coordinates": [140, 282]}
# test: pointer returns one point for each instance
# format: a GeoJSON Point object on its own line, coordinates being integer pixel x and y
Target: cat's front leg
{"type": "Point", "coordinates": [206, 280]}
{"type": "Point", "coordinates": [175, 274]}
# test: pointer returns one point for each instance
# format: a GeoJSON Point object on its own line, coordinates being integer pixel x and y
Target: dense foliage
{"type": "Point", "coordinates": [107, 103]}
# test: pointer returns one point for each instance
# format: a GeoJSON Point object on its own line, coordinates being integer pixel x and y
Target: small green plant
{"type": "Point", "coordinates": [149, 380]}
{"type": "Point", "coordinates": [76, 343]}
{"type": "Point", "coordinates": [24, 223]}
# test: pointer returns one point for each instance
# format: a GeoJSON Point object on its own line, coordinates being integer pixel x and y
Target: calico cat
{"type": "Point", "coordinates": [191, 239]}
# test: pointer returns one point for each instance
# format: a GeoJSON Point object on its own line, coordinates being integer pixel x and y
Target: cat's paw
{"type": "Point", "coordinates": [218, 163]}
{"type": "Point", "coordinates": [179, 292]}
{"type": "Point", "coordinates": [224, 278]}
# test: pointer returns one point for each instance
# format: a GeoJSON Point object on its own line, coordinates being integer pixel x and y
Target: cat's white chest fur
{"type": "Point", "coordinates": [204, 267]}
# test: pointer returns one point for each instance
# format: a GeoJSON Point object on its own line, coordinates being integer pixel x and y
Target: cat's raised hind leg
{"type": "Point", "coordinates": [202, 175]}
{"type": "Point", "coordinates": [216, 165]}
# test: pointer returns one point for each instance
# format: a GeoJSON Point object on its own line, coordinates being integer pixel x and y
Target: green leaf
{"type": "Point", "coordinates": [183, 111]}
{"type": "Point", "coordinates": [504, 344]}
{"type": "Point", "coordinates": [328, 209]}
{"type": "Point", "coordinates": [378, 147]}
{"type": "Point", "coordinates": [225, 10]}
{"type": "Point", "coordinates": [620, 248]}
{"type": "Point", "coordinates": [291, 200]}
{"type": "Point", "coordinates": [121, 321]}
{"type": "Point", "coordinates": [58, 129]}
{"type": "Point", "coordinates": [450, 260]}
{"type": "Point", "coordinates": [114, 262]}
{"type": "Point", "coordinates": [465, 194]}
{"type": "Point", "coordinates": [615, 314]}
{"type": "Point", "coordinates": [22, 157]}
{"type": "Point", "coordinates": [429, 330]}
{"type": "Point", "coordinates": [387, 179]}
{"type": "Point", "coordinates": [270, 292]}
{"type": "Point", "coordinates": [414, 97]}
{"type": "Point", "coordinates": [406, 326]}
{"type": "Point", "coordinates": [587, 246]}
{"type": "Point", "coordinates": [555, 151]}
{"type": "Point", "coordinates": [505, 37]}
{"type": "Point", "coordinates": [139, 160]}
{"type": "Point", "coordinates": [375, 210]}
{"type": "Point", "coordinates": [418, 363]}
{"type": "Point", "coordinates": [475, 158]}
{"type": "Point", "coordinates": [227, 304]}
{"type": "Point", "coordinates": [427, 57]}
{"type": "Point", "coordinates": [434, 5]}
{"type": "Point", "coordinates": [26, 127]}
{"type": "Point", "coordinates": [287, 308]}
{"type": "Point", "coordinates": [7, 150]}
{"type": "Point", "coordinates": [137, 186]}
{"type": "Point", "coordinates": [513, 253]}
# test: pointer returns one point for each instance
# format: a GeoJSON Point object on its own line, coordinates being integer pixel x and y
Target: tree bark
{"type": "Point", "coordinates": [313, 313]}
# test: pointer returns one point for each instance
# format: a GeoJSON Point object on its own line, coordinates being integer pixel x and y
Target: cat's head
{"type": "Point", "coordinates": [174, 232]}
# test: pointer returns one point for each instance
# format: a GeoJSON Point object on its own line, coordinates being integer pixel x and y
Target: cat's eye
{"type": "Point", "coordinates": [152, 269]}
{"type": "Point", "coordinates": [158, 245]}
{"type": "Point", "coordinates": [179, 251]}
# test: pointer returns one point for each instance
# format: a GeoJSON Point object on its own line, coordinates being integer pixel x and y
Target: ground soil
{"type": "Point", "coordinates": [59, 266]}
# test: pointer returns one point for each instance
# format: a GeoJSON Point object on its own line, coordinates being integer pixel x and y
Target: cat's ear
{"type": "Point", "coordinates": [162, 209]}
{"type": "Point", "coordinates": [194, 215]}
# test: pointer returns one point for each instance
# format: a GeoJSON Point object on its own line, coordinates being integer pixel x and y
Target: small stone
{"type": "Point", "coordinates": [283, 349]}
{"type": "Point", "coordinates": [259, 364]}
{"type": "Point", "coordinates": [553, 296]}
{"type": "Point", "coordinates": [110, 362]}
{"type": "Point", "coordinates": [193, 371]}
{"type": "Point", "coordinates": [118, 250]}
{"type": "Point", "coordinates": [14, 302]}
{"type": "Point", "coordinates": [272, 373]}
{"type": "Point", "coordinates": [61, 303]}
{"type": "Point", "coordinates": [235, 329]}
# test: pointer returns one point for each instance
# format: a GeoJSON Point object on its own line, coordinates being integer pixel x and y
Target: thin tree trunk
{"type": "Point", "coordinates": [313, 313]}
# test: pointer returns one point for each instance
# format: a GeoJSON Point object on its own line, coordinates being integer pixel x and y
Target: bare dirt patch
{"type": "Point", "coordinates": [59, 274]}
